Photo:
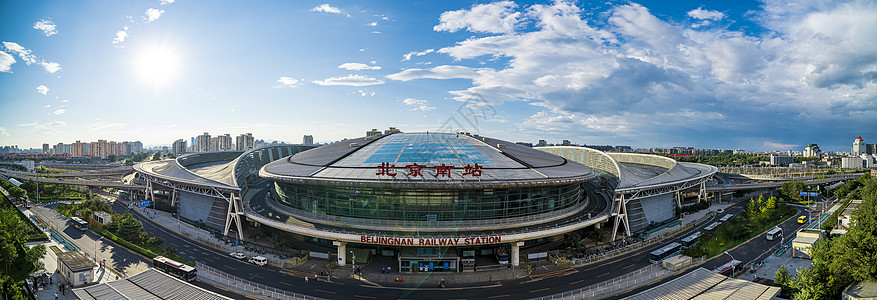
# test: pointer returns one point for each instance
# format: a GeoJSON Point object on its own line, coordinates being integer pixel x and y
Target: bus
{"type": "Point", "coordinates": [175, 269]}
{"type": "Point", "coordinates": [725, 218]}
{"type": "Point", "coordinates": [690, 240]}
{"type": "Point", "coordinates": [712, 226]}
{"type": "Point", "coordinates": [502, 255]}
{"type": "Point", "coordinates": [729, 268]}
{"type": "Point", "coordinates": [773, 234]}
{"type": "Point", "coordinates": [669, 250]}
{"type": "Point", "coordinates": [80, 224]}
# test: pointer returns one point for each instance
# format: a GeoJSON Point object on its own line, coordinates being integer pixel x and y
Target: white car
{"type": "Point", "coordinates": [259, 261]}
{"type": "Point", "coordinates": [238, 255]}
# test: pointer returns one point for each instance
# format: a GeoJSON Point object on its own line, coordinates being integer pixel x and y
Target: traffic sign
{"type": "Point", "coordinates": [803, 193]}
{"type": "Point", "coordinates": [144, 203]}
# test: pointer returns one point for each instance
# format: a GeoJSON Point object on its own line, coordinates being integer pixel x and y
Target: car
{"type": "Point", "coordinates": [258, 260]}
{"type": "Point", "coordinates": [720, 210]}
{"type": "Point", "coordinates": [238, 255]}
{"type": "Point", "coordinates": [802, 219]}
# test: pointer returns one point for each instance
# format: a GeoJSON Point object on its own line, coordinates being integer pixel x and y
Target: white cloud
{"type": "Point", "coordinates": [121, 35]}
{"type": "Point", "coordinates": [166, 2]}
{"type": "Point", "coordinates": [3, 132]}
{"type": "Point", "coordinates": [358, 66]}
{"type": "Point", "coordinates": [288, 81]}
{"type": "Point", "coordinates": [153, 14]}
{"type": "Point", "coordinates": [59, 111]}
{"type": "Point", "coordinates": [51, 67]}
{"type": "Point", "coordinates": [596, 70]}
{"type": "Point", "coordinates": [418, 104]}
{"type": "Point", "coordinates": [372, 24]}
{"type": "Point", "coordinates": [6, 62]}
{"type": "Point", "coordinates": [45, 127]}
{"type": "Point", "coordinates": [350, 80]}
{"type": "Point", "coordinates": [703, 14]}
{"type": "Point", "coordinates": [48, 27]}
{"type": "Point", "coordinates": [408, 55]}
{"type": "Point", "coordinates": [42, 89]}
{"type": "Point", "coordinates": [780, 146]}
{"type": "Point", "coordinates": [105, 126]}
{"type": "Point", "coordinates": [439, 72]}
{"type": "Point", "coordinates": [65, 101]}
{"type": "Point", "coordinates": [326, 8]}
{"type": "Point", "coordinates": [29, 58]}
{"type": "Point", "coordinates": [497, 17]}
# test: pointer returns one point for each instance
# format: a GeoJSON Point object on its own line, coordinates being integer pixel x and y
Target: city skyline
{"type": "Point", "coordinates": [748, 75]}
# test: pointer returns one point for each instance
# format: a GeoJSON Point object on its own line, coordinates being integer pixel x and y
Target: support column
{"type": "Point", "coordinates": [678, 199]}
{"type": "Point", "coordinates": [174, 197]}
{"type": "Point", "coordinates": [342, 249]}
{"type": "Point", "coordinates": [516, 253]}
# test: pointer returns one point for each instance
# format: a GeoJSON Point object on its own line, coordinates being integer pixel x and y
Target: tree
{"type": "Point", "coordinates": [17, 193]}
{"type": "Point", "coordinates": [784, 280]}
{"type": "Point", "coordinates": [157, 156]}
{"type": "Point", "coordinates": [17, 260]}
{"type": "Point", "coordinates": [792, 189]}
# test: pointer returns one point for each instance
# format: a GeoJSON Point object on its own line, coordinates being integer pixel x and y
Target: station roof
{"type": "Point", "coordinates": [149, 284]}
{"type": "Point", "coordinates": [76, 261]}
{"type": "Point", "coordinates": [359, 160]}
{"type": "Point", "coordinates": [703, 284]}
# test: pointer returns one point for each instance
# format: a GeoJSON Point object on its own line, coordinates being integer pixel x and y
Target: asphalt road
{"type": "Point", "coordinates": [527, 287]}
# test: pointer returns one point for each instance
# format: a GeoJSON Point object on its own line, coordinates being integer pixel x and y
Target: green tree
{"type": "Point", "coordinates": [784, 280]}
{"type": "Point", "coordinates": [792, 189]}
{"type": "Point", "coordinates": [17, 260]}
{"type": "Point", "coordinates": [157, 156]}
{"type": "Point", "coordinates": [17, 192]}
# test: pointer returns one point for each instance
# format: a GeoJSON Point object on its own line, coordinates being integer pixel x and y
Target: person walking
{"type": "Point", "coordinates": [306, 279]}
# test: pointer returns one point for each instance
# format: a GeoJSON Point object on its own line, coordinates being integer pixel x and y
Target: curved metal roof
{"type": "Point", "coordinates": [392, 161]}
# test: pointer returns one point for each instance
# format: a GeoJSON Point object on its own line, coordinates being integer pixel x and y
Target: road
{"type": "Point", "coordinates": [527, 287]}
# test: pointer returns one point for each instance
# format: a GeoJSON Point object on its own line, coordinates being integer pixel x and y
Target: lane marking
{"type": "Point", "coordinates": [286, 283]}
{"type": "Point", "coordinates": [604, 274]}
{"type": "Point", "coordinates": [539, 290]}
{"type": "Point", "coordinates": [574, 282]}
{"type": "Point", "coordinates": [631, 265]}
{"type": "Point", "coordinates": [319, 290]}
{"type": "Point", "coordinates": [499, 296]}
{"type": "Point", "coordinates": [233, 268]}
{"type": "Point", "coordinates": [366, 297]}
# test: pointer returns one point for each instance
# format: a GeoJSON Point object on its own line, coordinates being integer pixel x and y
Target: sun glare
{"type": "Point", "coordinates": [157, 67]}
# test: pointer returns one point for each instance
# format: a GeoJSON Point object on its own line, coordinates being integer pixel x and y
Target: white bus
{"type": "Point", "coordinates": [712, 226]}
{"type": "Point", "coordinates": [725, 218]}
{"type": "Point", "coordinates": [773, 234]}
{"type": "Point", "coordinates": [669, 250]}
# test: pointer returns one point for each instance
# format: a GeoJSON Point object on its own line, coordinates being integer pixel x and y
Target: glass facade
{"type": "Point", "coordinates": [427, 205]}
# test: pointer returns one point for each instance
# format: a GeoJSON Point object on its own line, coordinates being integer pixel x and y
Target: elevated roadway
{"type": "Point", "coordinates": [776, 184]}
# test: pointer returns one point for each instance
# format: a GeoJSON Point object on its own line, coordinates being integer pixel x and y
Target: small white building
{"type": "Point", "coordinates": [102, 217]}
{"type": "Point", "coordinates": [77, 269]}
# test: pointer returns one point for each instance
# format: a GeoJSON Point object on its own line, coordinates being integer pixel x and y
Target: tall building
{"type": "Point", "coordinates": [859, 147]}
{"type": "Point", "coordinates": [372, 132]}
{"type": "Point", "coordinates": [77, 149]}
{"type": "Point", "coordinates": [307, 140]}
{"type": "Point", "coordinates": [852, 162]}
{"type": "Point", "coordinates": [224, 143]}
{"type": "Point", "coordinates": [203, 142]}
{"type": "Point", "coordinates": [244, 142]}
{"type": "Point", "coordinates": [812, 150]}
{"type": "Point", "coordinates": [781, 159]}
{"type": "Point", "coordinates": [541, 143]}
{"type": "Point", "coordinates": [45, 148]}
{"type": "Point", "coordinates": [179, 147]}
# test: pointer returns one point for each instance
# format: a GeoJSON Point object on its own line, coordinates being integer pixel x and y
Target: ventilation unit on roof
{"type": "Point", "coordinates": [354, 145]}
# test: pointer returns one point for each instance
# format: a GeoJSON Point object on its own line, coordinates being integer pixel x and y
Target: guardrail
{"type": "Point", "coordinates": [628, 281]}
{"type": "Point", "coordinates": [246, 287]}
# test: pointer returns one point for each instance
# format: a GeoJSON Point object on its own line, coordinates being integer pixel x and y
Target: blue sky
{"type": "Point", "coordinates": [772, 75]}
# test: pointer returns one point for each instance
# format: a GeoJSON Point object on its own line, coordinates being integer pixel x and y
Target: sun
{"type": "Point", "coordinates": [157, 66]}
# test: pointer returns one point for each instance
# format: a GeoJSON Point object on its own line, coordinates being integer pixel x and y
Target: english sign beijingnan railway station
{"type": "Point", "coordinates": [433, 242]}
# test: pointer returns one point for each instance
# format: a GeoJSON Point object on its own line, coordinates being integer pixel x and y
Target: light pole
{"type": "Point", "coordinates": [353, 261]}
{"type": "Point", "coordinates": [729, 254]}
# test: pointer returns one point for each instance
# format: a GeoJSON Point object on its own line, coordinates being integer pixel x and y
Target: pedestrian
{"type": "Point", "coordinates": [56, 295]}
{"type": "Point", "coordinates": [306, 279]}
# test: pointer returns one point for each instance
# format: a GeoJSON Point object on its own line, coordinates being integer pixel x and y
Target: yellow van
{"type": "Point", "coordinates": [802, 219]}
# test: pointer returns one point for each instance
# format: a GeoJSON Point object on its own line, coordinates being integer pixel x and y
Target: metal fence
{"type": "Point", "coordinates": [246, 287]}
{"type": "Point", "coordinates": [628, 281]}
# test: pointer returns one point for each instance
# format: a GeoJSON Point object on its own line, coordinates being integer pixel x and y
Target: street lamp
{"type": "Point", "coordinates": [729, 254]}
{"type": "Point", "coordinates": [353, 261]}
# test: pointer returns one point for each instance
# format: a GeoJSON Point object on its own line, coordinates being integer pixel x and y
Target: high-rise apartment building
{"type": "Point", "coordinates": [203, 142]}
{"type": "Point", "coordinates": [77, 148]}
{"type": "Point", "coordinates": [812, 150]}
{"type": "Point", "coordinates": [224, 143]}
{"type": "Point", "coordinates": [781, 160]}
{"type": "Point", "coordinates": [244, 142]}
{"type": "Point", "coordinates": [307, 140]}
{"type": "Point", "coordinates": [859, 147]}
{"type": "Point", "coordinates": [45, 148]}
{"type": "Point", "coordinates": [179, 147]}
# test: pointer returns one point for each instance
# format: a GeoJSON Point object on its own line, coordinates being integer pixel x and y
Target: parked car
{"type": "Point", "coordinates": [238, 255]}
{"type": "Point", "coordinates": [720, 210]}
{"type": "Point", "coordinates": [258, 260]}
